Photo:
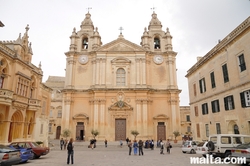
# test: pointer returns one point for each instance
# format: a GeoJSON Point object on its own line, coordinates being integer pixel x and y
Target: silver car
{"type": "Point", "coordinates": [242, 150]}
{"type": "Point", "coordinates": [9, 156]}
{"type": "Point", "coordinates": [189, 147]}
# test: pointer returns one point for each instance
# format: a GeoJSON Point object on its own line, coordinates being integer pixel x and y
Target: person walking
{"type": "Point", "coordinates": [121, 143]}
{"type": "Point", "coordinates": [65, 143]}
{"type": "Point", "coordinates": [168, 146]}
{"type": "Point", "coordinates": [127, 140]}
{"type": "Point", "coordinates": [140, 147]}
{"type": "Point", "coordinates": [130, 147]}
{"type": "Point", "coordinates": [61, 143]}
{"type": "Point", "coordinates": [70, 148]}
{"type": "Point", "coordinates": [106, 143]}
{"type": "Point", "coordinates": [162, 147]}
{"type": "Point", "coordinates": [135, 146]}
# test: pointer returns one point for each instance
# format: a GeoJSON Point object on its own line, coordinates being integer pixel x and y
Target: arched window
{"type": "Point", "coordinates": [85, 43]}
{"type": "Point", "coordinates": [157, 44]}
{"type": "Point", "coordinates": [59, 113]}
{"type": "Point", "coordinates": [120, 77]}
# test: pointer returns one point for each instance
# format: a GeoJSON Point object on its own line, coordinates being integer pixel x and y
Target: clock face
{"type": "Point", "coordinates": [83, 59]}
{"type": "Point", "coordinates": [158, 59]}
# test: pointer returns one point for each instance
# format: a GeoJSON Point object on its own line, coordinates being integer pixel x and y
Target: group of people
{"type": "Point", "coordinates": [70, 149]}
{"type": "Point", "coordinates": [167, 145]}
{"type": "Point", "coordinates": [137, 146]}
{"type": "Point", "coordinates": [63, 143]}
{"type": "Point", "coordinates": [149, 143]}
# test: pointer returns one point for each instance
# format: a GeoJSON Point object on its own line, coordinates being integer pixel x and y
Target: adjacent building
{"type": "Point", "coordinates": [24, 99]}
{"type": "Point", "coordinates": [219, 87]}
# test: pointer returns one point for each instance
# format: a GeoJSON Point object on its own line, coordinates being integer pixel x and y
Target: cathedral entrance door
{"type": "Point", "coordinates": [161, 131]}
{"type": "Point", "coordinates": [58, 132]}
{"type": "Point", "coordinates": [120, 129]}
{"type": "Point", "coordinates": [80, 131]}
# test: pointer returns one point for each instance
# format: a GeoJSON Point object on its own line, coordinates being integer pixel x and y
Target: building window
{"type": "Point", "coordinates": [195, 93]}
{"type": "Point", "coordinates": [198, 130]}
{"type": "Point", "coordinates": [212, 80]}
{"type": "Point", "coordinates": [188, 118]}
{"type": "Point", "coordinates": [215, 106]}
{"type": "Point", "coordinates": [229, 102]}
{"type": "Point", "coordinates": [204, 109]}
{"type": "Point", "coordinates": [1, 81]}
{"type": "Point", "coordinates": [188, 129]}
{"type": "Point", "coordinates": [218, 128]}
{"type": "Point", "coordinates": [50, 127]}
{"type": "Point", "coordinates": [44, 107]}
{"type": "Point", "coordinates": [85, 43]}
{"type": "Point", "coordinates": [242, 63]}
{"type": "Point", "coordinates": [202, 85]}
{"type": "Point", "coordinates": [225, 73]}
{"type": "Point", "coordinates": [51, 114]}
{"type": "Point", "coordinates": [207, 130]}
{"type": "Point", "coordinates": [59, 113]}
{"type": "Point", "coordinates": [245, 98]}
{"type": "Point", "coordinates": [120, 77]}
{"type": "Point", "coordinates": [196, 113]}
{"type": "Point", "coordinates": [22, 87]}
{"type": "Point", "coordinates": [157, 44]}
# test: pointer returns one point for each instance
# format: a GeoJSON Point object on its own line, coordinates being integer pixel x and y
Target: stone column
{"type": "Point", "coordinates": [103, 71]}
{"type": "Point", "coordinates": [70, 63]}
{"type": "Point", "coordinates": [102, 118]}
{"type": "Point", "coordinates": [172, 72]}
{"type": "Point", "coordinates": [96, 112]}
{"type": "Point", "coordinates": [145, 117]}
{"type": "Point", "coordinates": [94, 71]}
{"type": "Point", "coordinates": [144, 71]}
{"type": "Point", "coordinates": [137, 60]}
{"type": "Point", "coordinates": [138, 116]}
{"type": "Point", "coordinates": [97, 73]}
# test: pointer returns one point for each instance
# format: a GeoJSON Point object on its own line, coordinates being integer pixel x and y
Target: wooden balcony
{"type": "Point", "coordinates": [6, 96]}
{"type": "Point", "coordinates": [34, 104]}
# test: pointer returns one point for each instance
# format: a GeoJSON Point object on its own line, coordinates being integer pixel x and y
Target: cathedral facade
{"type": "Point", "coordinates": [121, 86]}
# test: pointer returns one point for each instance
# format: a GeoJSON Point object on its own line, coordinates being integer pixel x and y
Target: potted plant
{"type": "Point", "coordinates": [94, 133]}
{"type": "Point", "coordinates": [176, 134]}
{"type": "Point", "coordinates": [66, 133]}
{"type": "Point", "coordinates": [134, 133]}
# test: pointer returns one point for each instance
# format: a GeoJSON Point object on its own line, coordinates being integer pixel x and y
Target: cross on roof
{"type": "Point", "coordinates": [89, 9]}
{"type": "Point", "coordinates": [153, 8]}
{"type": "Point", "coordinates": [121, 30]}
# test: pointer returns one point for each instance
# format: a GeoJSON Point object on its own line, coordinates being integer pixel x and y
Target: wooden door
{"type": "Point", "coordinates": [58, 132]}
{"type": "Point", "coordinates": [161, 132]}
{"type": "Point", "coordinates": [120, 129]}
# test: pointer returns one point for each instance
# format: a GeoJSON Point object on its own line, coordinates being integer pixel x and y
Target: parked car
{"type": "Point", "coordinates": [9, 156]}
{"type": "Point", "coordinates": [221, 145]}
{"type": "Point", "coordinates": [26, 153]}
{"type": "Point", "coordinates": [242, 150]}
{"type": "Point", "coordinates": [202, 148]}
{"type": "Point", "coordinates": [189, 147]}
{"type": "Point", "coordinates": [36, 149]}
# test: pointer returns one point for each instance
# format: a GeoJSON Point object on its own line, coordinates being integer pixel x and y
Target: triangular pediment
{"type": "Point", "coordinates": [121, 45]}
{"type": "Point", "coordinates": [81, 116]}
{"type": "Point", "coordinates": [161, 116]}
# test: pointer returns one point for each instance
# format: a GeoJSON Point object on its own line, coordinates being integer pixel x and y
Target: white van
{"type": "Point", "coordinates": [220, 145]}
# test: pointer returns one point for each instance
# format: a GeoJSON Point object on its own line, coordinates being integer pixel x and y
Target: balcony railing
{"type": "Point", "coordinates": [34, 104]}
{"type": "Point", "coordinates": [6, 96]}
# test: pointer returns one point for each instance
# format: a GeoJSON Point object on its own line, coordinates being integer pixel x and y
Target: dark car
{"type": "Point", "coordinates": [26, 153]}
{"type": "Point", "coordinates": [243, 151]}
{"type": "Point", "coordinates": [9, 156]}
{"type": "Point", "coordinates": [36, 149]}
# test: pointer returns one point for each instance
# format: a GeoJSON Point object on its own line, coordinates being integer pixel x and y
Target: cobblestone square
{"type": "Point", "coordinates": [113, 155]}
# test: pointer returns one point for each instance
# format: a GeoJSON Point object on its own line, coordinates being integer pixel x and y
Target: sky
{"type": "Point", "coordinates": [195, 25]}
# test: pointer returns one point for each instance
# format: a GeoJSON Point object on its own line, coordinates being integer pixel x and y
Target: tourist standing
{"type": "Point", "coordinates": [135, 146]}
{"type": "Point", "coordinates": [129, 146]}
{"type": "Point", "coordinates": [61, 143]}
{"type": "Point", "coordinates": [70, 148]}
{"type": "Point", "coordinates": [140, 147]}
{"type": "Point", "coordinates": [168, 146]}
{"type": "Point", "coordinates": [106, 143]}
{"type": "Point", "coordinates": [162, 147]}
